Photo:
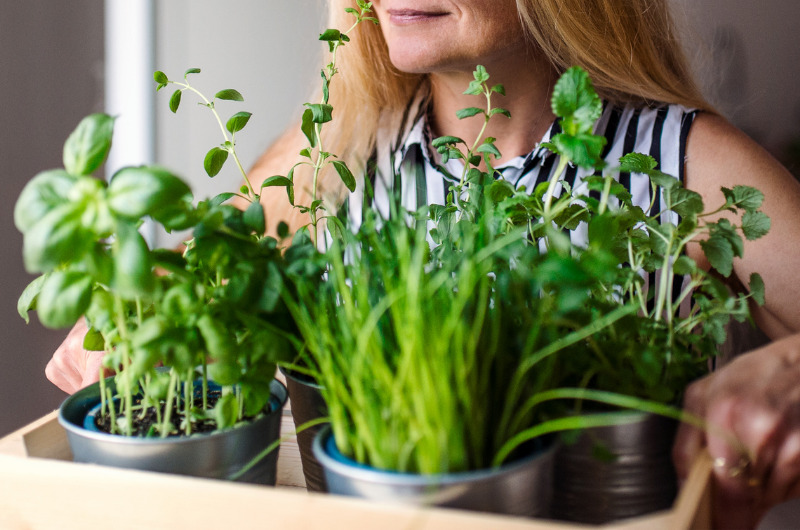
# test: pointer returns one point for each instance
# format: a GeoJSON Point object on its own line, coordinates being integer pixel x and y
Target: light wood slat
{"type": "Point", "coordinates": [41, 490]}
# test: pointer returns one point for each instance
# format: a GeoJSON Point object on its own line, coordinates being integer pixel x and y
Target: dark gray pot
{"type": "Point", "coordinates": [307, 404]}
{"type": "Point", "coordinates": [520, 488]}
{"type": "Point", "coordinates": [213, 455]}
{"type": "Point", "coordinates": [616, 472]}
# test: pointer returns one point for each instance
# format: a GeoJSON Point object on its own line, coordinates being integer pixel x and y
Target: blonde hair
{"type": "Point", "coordinates": [628, 47]}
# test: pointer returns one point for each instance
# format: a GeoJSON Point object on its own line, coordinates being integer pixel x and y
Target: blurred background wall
{"type": "Point", "coordinates": [52, 73]}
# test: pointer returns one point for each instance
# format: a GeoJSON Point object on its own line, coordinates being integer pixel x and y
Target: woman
{"type": "Point", "coordinates": [401, 83]}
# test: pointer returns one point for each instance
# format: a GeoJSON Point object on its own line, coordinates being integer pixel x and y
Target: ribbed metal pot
{"type": "Point", "coordinates": [520, 488]}
{"type": "Point", "coordinates": [210, 455]}
{"type": "Point", "coordinates": [616, 472]}
{"type": "Point", "coordinates": [307, 404]}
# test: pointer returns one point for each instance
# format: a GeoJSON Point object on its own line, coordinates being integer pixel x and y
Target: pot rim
{"type": "Point", "coordinates": [348, 467]}
{"type": "Point", "coordinates": [87, 392]}
{"type": "Point", "coordinates": [299, 378]}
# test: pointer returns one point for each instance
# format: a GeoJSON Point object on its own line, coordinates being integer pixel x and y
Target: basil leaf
{"type": "Point", "coordinates": [40, 195]}
{"type": "Point", "coordinates": [137, 191]}
{"type": "Point", "coordinates": [133, 263]}
{"type": "Point", "coordinates": [87, 147]}
{"type": "Point", "coordinates": [64, 297]}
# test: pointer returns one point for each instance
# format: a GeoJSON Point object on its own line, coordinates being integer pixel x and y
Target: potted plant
{"type": "Point", "coordinates": [413, 346]}
{"type": "Point", "coordinates": [653, 353]}
{"type": "Point", "coordinates": [193, 337]}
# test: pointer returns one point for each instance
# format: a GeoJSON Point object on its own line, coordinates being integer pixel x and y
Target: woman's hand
{"type": "Point", "coordinates": [72, 367]}
{"type": "Point", "coordinates": [756, 399]}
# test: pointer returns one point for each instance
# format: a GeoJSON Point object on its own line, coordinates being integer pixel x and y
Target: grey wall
{"type": "Point", "coordinates": [50, 77]}
{"type": "Point", "coordinates": [268, 51]}
{"type": "Point", "coordinates": [748, 56]}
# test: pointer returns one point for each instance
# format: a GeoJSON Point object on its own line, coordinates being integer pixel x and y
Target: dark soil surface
{"type": "Point", "coordinates": [145, 424]}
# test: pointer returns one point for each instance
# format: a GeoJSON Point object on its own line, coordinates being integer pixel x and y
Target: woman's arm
{"type": "Point", "coordinates": [72, 367]}
{"type": "Point", "coordinates": [756, 397]}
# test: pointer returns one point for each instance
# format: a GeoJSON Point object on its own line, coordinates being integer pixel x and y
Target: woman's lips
{"type": "Point", "coordinates": [412, 16]}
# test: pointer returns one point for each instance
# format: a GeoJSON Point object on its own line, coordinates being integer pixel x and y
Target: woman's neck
{"type": "Point", "coordinates": [528, 86]}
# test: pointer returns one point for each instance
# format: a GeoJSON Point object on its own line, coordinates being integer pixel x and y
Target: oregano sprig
{"type": "Point", "coordinates": [217, 156]}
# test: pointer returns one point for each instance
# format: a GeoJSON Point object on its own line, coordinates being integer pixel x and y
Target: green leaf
{"type": "Point", "coordinates": [442, 141]}
{"type": "Point", "coordinates": [745, 197]}
{"type": "Point", "coordinates": [27, 300]}
{"type": "Point", "coordinates": [474, 89]}
{"type": "Point", "coordinates": [283, 230]}
{"type": "Point", "coordinates": [757, 288]}
{"type": "Point", "coordinates": [575, 100]}
{"type": "Point", "coordinates": [685, 202]}
{"type": "Point", "coordinates": [146, 190]}
{"type": "Point", "coordinates": [219, 342]}
{"type": "Point", "coordinates": [221, 198]}
{"type": "Point", "coordinates": [276, 180]}
{"type": "Point", "coordinates": [58, 237]}
{"type": "Point", "coordinates": [489, 149]}
{"type": "Point", "coordinates": [175, 101]}
{"type": "Point", "coordinates": [725, 229]}
{"type": "Point", "coordinates": [499, 190]}
{"type": "Point", "coordinates": [330, 35]}
{"type": "Point", "coordinates": [160, 77]}
{"type": "Point", "coordinates": [684, 265]}
{"type": "Point", "coordinates": [500, 89]}
{"type": "Point", "coordinates": [663, 180]}
{"type": "Point", "coordinates": [584, 150]}
{"type": "Point", "coordinates": [320, 112]}
{"type": "Point", "coordinates": [41, 194]}
{"type": "Point", "coordinates": [307, 127]}
{"type": "Point", "coordinates": [755, 224]}
{"type": "Point", "coordinates": [637, 163]}
{"type": "Point", "coordinates": [214, 161]}
{"type": "Point", "coordinates": [93, 340]}
{"type": "Point", "coordinates": [191, 71]}
{"type": "Point", "coordinates": [290, 189]}
{"type": "Point", "coordinates": [87, 147]}
{"type": "Point", "coordinates": [468, 112]}
{"type": "Point", "coordinates": [133, 263]}
{"type": "Point", "coordinates": [64, 297]}
{"type": "Point", "coordinates": [480, 74]}
{"type": "Point", "coordinates": [345, 174]}
{"type": "Point", "coordinates": [229, 94]}
{"type": "Point", "coordinates": [226, 410]}
{"type": "Point", "coordinates": [719, 252]}
{"type": "Point", "coordinates": [499, 110]}
{"type": "Point", "coordinates": [238, 121]}
{"type": "Point", "coordinates": [254, 218]}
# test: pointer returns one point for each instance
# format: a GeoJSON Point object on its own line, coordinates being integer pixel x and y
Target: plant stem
{"type": "Point", "coordinates": [229, 140]}
{"type": "Point", "coordinates": [551, 187]}
{"type": "Point", "coordinates": [165, 425]}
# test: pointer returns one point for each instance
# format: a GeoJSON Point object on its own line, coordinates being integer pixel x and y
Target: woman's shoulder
{"type": "Point", "coordinates": [719, 154]}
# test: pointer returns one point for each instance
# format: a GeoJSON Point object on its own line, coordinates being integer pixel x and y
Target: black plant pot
{"type": "Point", "coordinates": [219, 454]}
{"type": "Point", "coordinates": [307, 404]}
{"type": "Point", "coordinates": [616, 472]}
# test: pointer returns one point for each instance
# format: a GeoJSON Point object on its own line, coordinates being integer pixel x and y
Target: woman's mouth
{"type": "Point", "coordinates": [403, 17]}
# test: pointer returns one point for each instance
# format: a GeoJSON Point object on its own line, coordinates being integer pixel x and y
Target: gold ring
{"type": "Point", "coordinates": [736, 470]}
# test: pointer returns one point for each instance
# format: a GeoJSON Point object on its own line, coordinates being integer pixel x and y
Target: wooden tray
{"type": "Point", "coordinates": [40, 487]}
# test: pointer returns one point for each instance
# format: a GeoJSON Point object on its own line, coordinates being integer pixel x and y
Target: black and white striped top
{"type": "Point", "coordinates": [405, 168]}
